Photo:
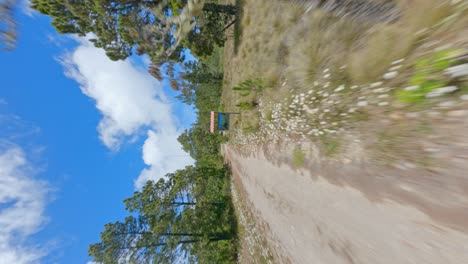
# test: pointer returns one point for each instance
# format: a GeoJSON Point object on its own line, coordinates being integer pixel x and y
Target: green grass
{"type": "Point", "coordinates": [246, 105]}
{"type": "Point", "coordinates": [418, 96]}
{"type": "Point", "coordinates": [255, 85]}
{"type": "Point", "coordinates": [428, 77]}
{"type": "Point", "coordinates": [298, 157]}
{"type": "Point", "coordinates": [330, 145]}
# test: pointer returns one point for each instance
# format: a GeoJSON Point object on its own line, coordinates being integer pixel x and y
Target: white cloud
{"type": "Point", "coordinates": [22, 204]}
{"type": "Point", "coordinates": [162, 153]}
{"type": "Point", "coordinates": [132, 103]}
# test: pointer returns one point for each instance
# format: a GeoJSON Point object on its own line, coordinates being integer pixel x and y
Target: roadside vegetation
{"type": "Point", "coordinates": [333, 77]}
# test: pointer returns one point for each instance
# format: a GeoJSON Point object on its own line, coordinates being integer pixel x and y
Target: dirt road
{"type": "Point", "coordinates": [352, 213]}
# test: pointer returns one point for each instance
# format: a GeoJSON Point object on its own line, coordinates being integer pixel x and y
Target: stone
{"type": "Point", "coordinates": [383, 103]}
{"type": "Point", "coordinates": [412, 115]}
{"type": "Point", "coordinates": [362, 103]}
{"type": "Point", "coordinates": [432, 150]}
{"type": "Point", "coordinates": [447, 104]}
{"type": "Point", "coordinates": [396, 68]}
{"type": "Point", "coordinates": [395, 116]}
{"type": "Point", "coordinates": [398, 61]}
{"type": "Point", "coordinates": [376, 84]}
{"type": "Point", "coordinates": [457, 71]}
{"type": "Point", "coordinates": [433, 114]}
{"type": "Point", "coordinates": [390, 75]}
{"type": "Point", "coordinates": [340, 88]}
{"type": "Point", "coordinates": [464, 97]}
{"type": "Point", "coordinates": [381, 90]}
{"type": "Point", "coordinates": [412, 88]}
{"type": "Point", "coordinates": [409, 165]}
{"type": "Point", "coordinates": [441, 91]}
{"type": "Point", "coordinates": [457, 113]}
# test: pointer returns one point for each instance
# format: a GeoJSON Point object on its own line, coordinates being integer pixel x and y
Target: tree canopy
{"type": "Point", "coordinates": [121, 27]}
{"type": "Point", "coordinates": [179, 216]}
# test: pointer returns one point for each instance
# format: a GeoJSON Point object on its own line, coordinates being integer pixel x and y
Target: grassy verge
{"type": "Point", "coordinates": [340, 65]}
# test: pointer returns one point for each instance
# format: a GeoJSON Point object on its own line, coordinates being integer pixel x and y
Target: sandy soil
{"type": "Point", "coordinates": [353, 213]}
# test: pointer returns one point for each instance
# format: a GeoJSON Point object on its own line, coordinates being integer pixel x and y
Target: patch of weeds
{"type": "Point", "coordinates": [298, 157]}
{"type": "Point", "coordinates": [255, 85]}
{"type": "Point", "coordinates": [417, 96]}
{"type": "Point", "coordinates": [330, 145]}
{"type": "Point", "coordinates": [428, 77]}
{"type": "Point", "coordinates": [246, 105]}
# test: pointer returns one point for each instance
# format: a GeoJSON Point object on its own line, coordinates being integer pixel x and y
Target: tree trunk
{"type": "Point", "coordinates": [214, 239]}
{"type": "Point", "coordinates": [160, 234]}
{"type": "Point", "coordinates": [192, 203]}
{"type": "Point", "coordinates": [216, 8]}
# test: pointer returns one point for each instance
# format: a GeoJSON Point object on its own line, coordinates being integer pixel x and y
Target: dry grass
{"type": "Point", "coordinates": [387, 43]}
{"type": "Point", "coordinates": [257, 56]}
{"type": "Point", "coordinates": [289, 49]}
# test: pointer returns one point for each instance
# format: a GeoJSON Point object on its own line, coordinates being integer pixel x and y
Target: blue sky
{"type": "Point", "coordinates": [78, 134]}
